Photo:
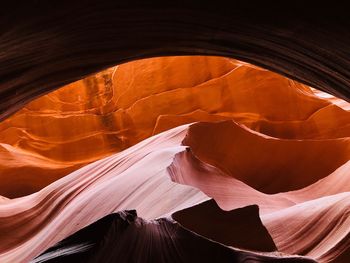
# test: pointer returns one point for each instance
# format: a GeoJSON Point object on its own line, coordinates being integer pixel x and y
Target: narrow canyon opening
{"type": "Point", "coordinates": [203, 143]}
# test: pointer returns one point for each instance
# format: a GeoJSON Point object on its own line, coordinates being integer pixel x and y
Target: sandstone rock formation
{"type": "Point", "coordinates": [121, 238]}
{"type": "Point", "coordinates": [139, 178]}
{"type": "Point", "coordinates": [174, 159]}
{"type": "Point", "coordinates": [45, 46]}
{"type": "Point", "coordinates": [178, 139]}
{"type": "Point", "coordinates": [117, 108]}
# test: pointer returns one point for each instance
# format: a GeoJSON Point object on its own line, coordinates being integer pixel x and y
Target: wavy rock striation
{"type": "Point", "coordinates": [139, 178]}
{"type": "Point", "coordinates": [119, 107]}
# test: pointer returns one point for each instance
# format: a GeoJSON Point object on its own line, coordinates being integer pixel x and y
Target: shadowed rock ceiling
{"type": "Point", "coordinates": [46, 45]}
{"type": "Point", "coordinates": [111, 150]}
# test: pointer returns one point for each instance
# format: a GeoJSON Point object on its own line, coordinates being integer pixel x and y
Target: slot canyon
{"type": "Point", "coordinates": [183, 132]}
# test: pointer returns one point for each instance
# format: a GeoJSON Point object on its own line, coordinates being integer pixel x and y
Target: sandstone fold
{"type": "Point", "coordinates": [176, 159]}
{"type": "Point", "coordinates": [121, 106]}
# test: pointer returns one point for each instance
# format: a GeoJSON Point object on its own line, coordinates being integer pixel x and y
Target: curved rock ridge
{"type": "Point", "coordinates": [160, 176]}
{"type": "Point", "coordinates": [270, 165]}
{"type": "Point", "coordinates": [119, 107]}
{"type": "Point", "coordinates": [282, 146]}
{"type": "Point", "coordinates": [132, 179]}
{"type": "Point", "coordinates": [124, 237]}
{"type": "Point", "coordinates": [22, 172]}
{"type": "Point", "coordinates": [46, 46]}
{"type": "Point", "coordinates": [231, 193]}
{"type": "Point", "coordinates": [317, 216]}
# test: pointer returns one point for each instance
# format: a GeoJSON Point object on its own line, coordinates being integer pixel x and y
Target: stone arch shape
{"type": "Point", "coordinates": [47, 44]}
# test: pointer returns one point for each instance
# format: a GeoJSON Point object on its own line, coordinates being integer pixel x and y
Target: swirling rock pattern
{"type": "Point", "coordinates": [117, 108]}
{"type": "Point", "coordinates": [139, 178]}
{"type": "Point", "coordinates": [229, 141]}
{"type": "Point", "coordinates": [282, 145]}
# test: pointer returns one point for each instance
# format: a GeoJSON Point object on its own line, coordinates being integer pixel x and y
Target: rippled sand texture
{"type": "Point", "coordinates": [115, 109]}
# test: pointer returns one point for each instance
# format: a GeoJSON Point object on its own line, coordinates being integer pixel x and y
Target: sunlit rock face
{"type": "Point", "coordinates": [213, 154]}
{"type": "Point", "coordinates": [119, 107]}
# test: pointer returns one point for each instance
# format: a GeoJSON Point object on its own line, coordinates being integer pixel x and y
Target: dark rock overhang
{"type": "Point", "coordinates": [46, 44]}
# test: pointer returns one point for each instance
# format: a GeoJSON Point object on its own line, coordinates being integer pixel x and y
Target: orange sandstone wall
{"type": "Point", "coordinates": [119, 107]}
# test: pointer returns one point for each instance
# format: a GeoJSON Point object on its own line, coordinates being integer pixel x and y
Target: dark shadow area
{"type": "Point", "coordinates": [241, 228]}
{"type": "Point", "coordinates": [45, 45]}
{"type": "Point", "coordinates": [124, 237]}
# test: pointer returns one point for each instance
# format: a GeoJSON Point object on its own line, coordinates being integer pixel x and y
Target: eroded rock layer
{"type": "Point", "coordinates": [108, 112]}
{"type": "Point", "coordinates": [139, 178]}
{"type": "Point", "coordinates": [196, 155]}
{"type": "Point", "coordinates": [44, 46]}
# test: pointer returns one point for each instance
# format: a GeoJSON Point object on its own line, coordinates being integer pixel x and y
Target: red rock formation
{"type": "Point", "coordinates": [138, 178]}
{"type": "Point", "coordinates": [108, 112]}
{"type": "Point", "coordinates": [261, 140]}
{"type": "Point", "coordinates": [282, 146]}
